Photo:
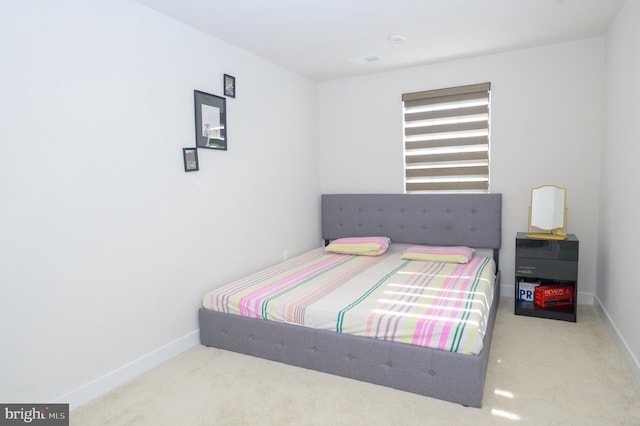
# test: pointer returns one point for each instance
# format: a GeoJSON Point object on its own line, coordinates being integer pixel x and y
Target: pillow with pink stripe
{"type": "Point", "coordinates": [363, 246]}
{"type": "Point", "coordinates": [439, 254]}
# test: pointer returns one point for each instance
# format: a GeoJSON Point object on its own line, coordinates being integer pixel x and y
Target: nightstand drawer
{"type": "Point", "coordinates": [547, 268]}
{"type": "Point", "coordinates": [547, 249]}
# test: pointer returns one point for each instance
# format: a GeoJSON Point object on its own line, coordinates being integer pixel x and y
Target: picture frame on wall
{"type": "Point", "coordinates": [211, 120]}
{"type": "Point", "coordinates": [190, 158]}
{"type": "Point", "coordinates": [229, 86]}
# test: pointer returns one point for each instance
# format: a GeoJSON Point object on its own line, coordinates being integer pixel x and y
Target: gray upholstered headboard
{"type": "Point", "coordinates": [472, 220]}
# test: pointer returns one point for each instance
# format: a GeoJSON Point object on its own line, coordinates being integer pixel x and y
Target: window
{"type": "Point", "coordinates": [446, 139]}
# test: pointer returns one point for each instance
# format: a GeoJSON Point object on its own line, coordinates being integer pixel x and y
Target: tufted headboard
{"type": "Point", "coordinates": [472, 220]}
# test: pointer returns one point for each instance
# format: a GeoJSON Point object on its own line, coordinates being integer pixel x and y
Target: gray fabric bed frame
{"type": "Point", "coordinates": [438, 219]}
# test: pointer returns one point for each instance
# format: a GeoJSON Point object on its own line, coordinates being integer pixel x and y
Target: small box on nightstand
{"type": "Point", "coordinates": [553, 295]}
{"type": "Point", "coordinates": [526, 290]}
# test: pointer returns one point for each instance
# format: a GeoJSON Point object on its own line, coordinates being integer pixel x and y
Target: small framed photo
{"type": "Point", "coordinates": [190, 157]}
{"type": "Point", "coordinates": [229, 86]}
{"type": "Point", "coordinates": [211, 120]}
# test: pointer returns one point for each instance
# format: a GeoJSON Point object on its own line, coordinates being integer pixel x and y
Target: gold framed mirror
{"type": "Point", "coordinates": [548, 213]}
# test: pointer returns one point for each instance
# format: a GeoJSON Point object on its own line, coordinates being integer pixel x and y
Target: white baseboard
{"type": "Point", "coordinates": [621, 343]}
{"type": "Point", "coordinates": [85, 393]}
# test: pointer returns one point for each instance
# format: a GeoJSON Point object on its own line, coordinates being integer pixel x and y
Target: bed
{"type": "Point", "coordinates": [472, 220]}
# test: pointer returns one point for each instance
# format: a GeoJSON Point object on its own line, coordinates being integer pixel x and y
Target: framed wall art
{"type": "Point", "coordinates": [190, 157]}
{"type": "Point", "coordinates": [211, 120]}
{"type": "Point", "coordinates": [229, 86]}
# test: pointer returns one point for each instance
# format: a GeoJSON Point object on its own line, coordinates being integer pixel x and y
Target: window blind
{"type": "Point", "coordinates": [446, 139]}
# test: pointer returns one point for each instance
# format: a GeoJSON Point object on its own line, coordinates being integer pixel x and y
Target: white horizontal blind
{"type": "Point", "coordinates": [446, 139]}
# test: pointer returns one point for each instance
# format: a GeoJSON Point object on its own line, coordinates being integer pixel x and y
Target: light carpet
{"type": "Point", "coordinates": [541, 372]}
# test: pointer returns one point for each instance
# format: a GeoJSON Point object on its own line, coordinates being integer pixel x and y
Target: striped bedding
{"type": "Point", "coordinates": [431, 304]}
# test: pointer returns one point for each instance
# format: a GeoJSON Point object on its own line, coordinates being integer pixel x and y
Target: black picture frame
{"type": "Point", "coordinates": [190, 158]}
{"type": "Point", "coordinates": [211, 120]}
{"type": "Point", "coordinates": [229, 86]}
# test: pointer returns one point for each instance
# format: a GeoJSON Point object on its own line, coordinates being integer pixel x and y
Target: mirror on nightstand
{"type": "Point", "coordinates": [548, 213]}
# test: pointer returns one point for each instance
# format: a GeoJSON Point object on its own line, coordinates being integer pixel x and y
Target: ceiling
{"type": "Point", "coordinates": [329, 39]}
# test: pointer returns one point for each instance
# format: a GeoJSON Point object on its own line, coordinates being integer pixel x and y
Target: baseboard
{"type": "Point", "coordinates": [621, 343]}
{"type": "Point", "coordinates": [583, 298]}
{"type": "Point", "coordinates": [85, 393]}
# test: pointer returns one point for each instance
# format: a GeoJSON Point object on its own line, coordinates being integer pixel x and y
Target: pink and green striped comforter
{"type": "Point", "coordinates": [431, 304]}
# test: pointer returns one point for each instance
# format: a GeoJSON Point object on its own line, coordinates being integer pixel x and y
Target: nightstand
{"type": "Point", "coordinates": [546, 265]}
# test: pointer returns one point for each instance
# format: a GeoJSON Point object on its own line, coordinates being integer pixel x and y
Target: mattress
{"type": "Point", "coordinates": [431, 304]}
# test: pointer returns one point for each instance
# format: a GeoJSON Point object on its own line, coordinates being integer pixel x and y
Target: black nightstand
{"type": "Point", "coordinates": [546, 263]}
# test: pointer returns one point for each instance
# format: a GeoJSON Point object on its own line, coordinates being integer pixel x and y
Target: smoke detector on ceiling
{"type": "Point", "coordinates": [365, 59]}
{"type": "Point", "coordinates": [397, 38]}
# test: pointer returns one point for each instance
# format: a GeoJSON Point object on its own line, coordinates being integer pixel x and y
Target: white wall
{"type": "Point", "coordinates": [617, 290]}
{"type": "Point", "coordinates": [546, 127]}
{"type": "Point", "coordinates": [106, 245]}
